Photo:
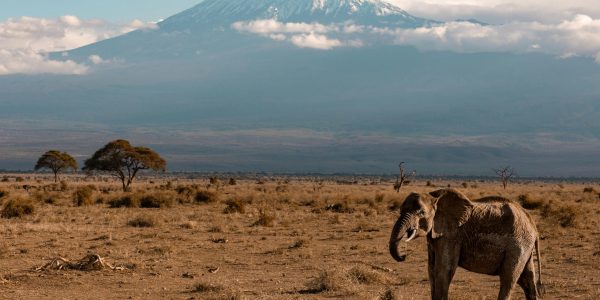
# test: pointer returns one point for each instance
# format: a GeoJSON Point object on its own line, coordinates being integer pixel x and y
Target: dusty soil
{"type": "Point", "coordinates": [306, 247]}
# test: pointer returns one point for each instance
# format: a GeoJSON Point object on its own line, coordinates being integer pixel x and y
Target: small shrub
{"type": "Point", "coordinates": [3, 194]}
{"type": "Point", "coordinates": [5, 179]}
{"type": "Point", "coordinates": [529, 202]}
{"type": "Point", "coordinates": [387, 294]}
{"type": "Point", "coordinates": [232, 181]}
{"type": "Point", "coordinates": [328, 281]}
{"type": "Point", "coordinates": [16, 208]}
{"type": "Point", "coordinates": [564, 215]}
{"type": "Point", "coordinates": [207, 288]}
{"type": "Point", "coordinates": [127, 200]}
{"type": "Point", "coordinates": [395, 205]}
{"type": "Point", "coordinates": [235, 206]}
{"type": "Point", "coordinates": [64, 186]}
{"type": "Point", "coordinates": [19, 179]}
{"type": "Point", "coordinates": [206, 197]}
{"type": "Point", "coordinates": [589, 190]}
{"type": "Point", "coordinates": [265, 218]}
{"type": "Point", "coordinates": [298, 244]}
{"type": "Point", "coordinates": [465, 185]}
{"type": "Point", "coordinates": [214, 292]}
{"type": "Point", "coordinates": [83, 196]}
{"type": "Point", "coordinates": [143, 221]}
{"type": "Point", "coordinates": [364, 275]}
{"type": "Point", "coordinates": [156, 201]}
{"type": "Point", "coordinates": [340, 207]}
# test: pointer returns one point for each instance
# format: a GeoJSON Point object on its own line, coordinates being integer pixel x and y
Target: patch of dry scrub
{"type": "Point", "coordinates": [566, 215]}
{"type": "Point", "coordinates": [17, 208]}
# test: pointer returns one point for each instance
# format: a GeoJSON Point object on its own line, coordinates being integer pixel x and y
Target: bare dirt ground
{"type": "Point", "coordinates": [276, 239]}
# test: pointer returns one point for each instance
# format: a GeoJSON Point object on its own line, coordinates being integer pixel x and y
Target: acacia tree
{"type": "Point", "coordinates": [505, 174]}
{"type": "Point", "coordinates": [124, 161]}
{"type": "Point", "coordinates": [402, 178]}
{"type": "Point", "coordinates": [57, 162]}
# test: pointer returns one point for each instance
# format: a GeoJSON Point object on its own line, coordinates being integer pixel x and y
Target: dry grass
{"type": "Point", "coordinates": [83, 196]}
{"type": "Point", "coordinates": [17, 208]}
{"type": "Point", "coordinates": [315, 239]}
{"type": "Point", "coordinates": [143, 221]}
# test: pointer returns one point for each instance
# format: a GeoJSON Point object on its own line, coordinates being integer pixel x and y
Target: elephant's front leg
{"type": "Point", "coordinates": [430, 265]}
{"type": "Point", "coordinates": [446, 255]}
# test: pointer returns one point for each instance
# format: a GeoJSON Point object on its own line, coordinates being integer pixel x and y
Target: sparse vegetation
{"type": "Point", "coordinates": [143, 221]}
{"type": "Point", "coordinates": [17, 208]}
{"type": "Point", "coordinates": [342, 227]}
{"type": "Point", "coordinates": [83, 196]}
{"type": "Point", "coordinates": [206, 197]}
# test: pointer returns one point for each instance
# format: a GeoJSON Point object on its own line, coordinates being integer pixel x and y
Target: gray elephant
{"type": "Point", "coordinates": [492, 235]}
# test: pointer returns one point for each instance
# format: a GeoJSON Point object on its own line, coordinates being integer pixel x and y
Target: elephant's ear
{"type": "Point", "coordinates": [452, 211]}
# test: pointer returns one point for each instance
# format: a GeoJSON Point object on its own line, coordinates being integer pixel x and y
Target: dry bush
{"type": "Point", "coordinates": [206, 197]}
{"type": "Point", "coordinates": [395, 205]}
{"type": "Point", "coordinates": [589, 189]}
{"type": "Point", "coordinates": [528, 202]}
{"type": "Point", "coordinates": [387, 294]}
{"type": "Point", "coordinates": [64, 186]}
{"type": "Point", "coordinates": [215, 292]}
{"type": "Point", "coordinates": [47, 198]}
{"type": "Point", "coordinates": [366, 275]}
{"type": "Point", "coordinates": [329, 281]}
{"type": "Point", "coordinates": [143, 221]}
{"type": "Point", "coordinates": [159, 200]}
{"type": "Point", "coordinates": [3, 194]}
{"type": "Point", "coordinates": [83, 196]}
{"type": "Point", "coordinates": [340, 207]}
{"type": "Point", "coordinates": [298, 244]}
{"type": "Point", "coordinates": [265, 218]}
{"type": "Point", "coordinates": [126, 200]}
{"type": "Point", "coordinates": [235, 205]}
{"type": "Point", "coordinates": [17, 208]}
{"type": "Point", "coordinates": [566, 215]}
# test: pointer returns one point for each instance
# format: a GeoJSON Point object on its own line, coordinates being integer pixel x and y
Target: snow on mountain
{"type": "Point", "coordinates": [222, 12]}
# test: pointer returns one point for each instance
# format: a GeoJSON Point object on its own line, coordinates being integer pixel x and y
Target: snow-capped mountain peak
{"type": "Point", "coordinates": [223, 12]}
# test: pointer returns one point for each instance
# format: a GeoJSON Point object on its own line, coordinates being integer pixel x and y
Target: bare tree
{"type": "Point", "coordinates": [506, 174]}
{"type": "Point", "coordinates": [402, 177]}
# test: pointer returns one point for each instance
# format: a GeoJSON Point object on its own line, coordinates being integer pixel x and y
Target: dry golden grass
{"type": "Point", "coordinates": [267, 238]}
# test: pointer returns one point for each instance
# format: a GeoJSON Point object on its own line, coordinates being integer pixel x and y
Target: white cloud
{"type": "Point", "coordinates": [578, 36]}
{"type": "Point", "coordinates": [500, 11]}
{"type": "Point", "coordinates": [23, 42]}
{"type": "Point", "coordinates": [31, 62]}
{"type": "Point", "coordinates": [315, 41]}
{"type": "Point", "coordinates": [303, 35]}
{"type": "Point", "coordinates": [267, 26]}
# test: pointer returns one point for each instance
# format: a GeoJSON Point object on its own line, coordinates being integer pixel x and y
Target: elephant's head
{"type": "Point", "coordinates": [440, 213]}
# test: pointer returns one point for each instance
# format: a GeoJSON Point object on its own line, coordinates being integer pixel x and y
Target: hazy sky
{"type": "Point", "coordinates": [492, 11]}
{"type": "Point", "coordinates": [111, 10]}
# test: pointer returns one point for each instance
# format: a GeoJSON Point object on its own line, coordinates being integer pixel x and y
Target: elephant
{"type": "Point", "coordinates": [491, 235]}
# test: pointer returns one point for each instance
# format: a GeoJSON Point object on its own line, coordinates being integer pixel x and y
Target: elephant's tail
{"type": "Point", "coordinates": [540, 287]}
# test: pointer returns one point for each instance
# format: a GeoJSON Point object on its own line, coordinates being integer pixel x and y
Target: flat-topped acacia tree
{"type": "Point", "coordinates": [57, 162]}
{"type": "Point", "coordinates": [124, 161]}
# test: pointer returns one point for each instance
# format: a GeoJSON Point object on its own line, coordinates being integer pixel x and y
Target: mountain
{"type": "Point", "coordinates": [211, 97]}
{"type": "Point", "coordinates": [207, 26]}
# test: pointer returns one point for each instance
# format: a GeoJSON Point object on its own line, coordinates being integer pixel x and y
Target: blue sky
{"type": "Point", "coordinates": [112, 10]}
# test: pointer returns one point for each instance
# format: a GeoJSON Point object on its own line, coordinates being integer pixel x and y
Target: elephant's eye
{"type": "Point", "coordinates": [421, 213]}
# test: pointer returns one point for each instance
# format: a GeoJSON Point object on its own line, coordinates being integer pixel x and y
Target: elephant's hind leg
{"type": "Point", "coordinates": [527, 280]}
{"type": "Point", "coordinates": [510, 272]}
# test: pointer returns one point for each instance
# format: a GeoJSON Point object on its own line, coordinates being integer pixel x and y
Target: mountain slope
{"type": "Point", "coordinates": [364, 108]}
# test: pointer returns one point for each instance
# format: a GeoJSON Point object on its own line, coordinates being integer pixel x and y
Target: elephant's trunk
{"type": "Point", "coordinates": [397, 234]}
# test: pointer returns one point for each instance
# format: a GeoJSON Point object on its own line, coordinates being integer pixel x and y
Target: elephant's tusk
{"type": "Point", "coordinates": [412, 235]}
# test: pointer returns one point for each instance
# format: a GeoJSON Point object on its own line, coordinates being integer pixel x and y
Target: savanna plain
{"type": "Point", "coordinates": [262, 237]}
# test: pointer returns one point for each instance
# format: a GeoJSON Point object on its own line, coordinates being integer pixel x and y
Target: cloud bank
{"type": "Point", "coordinates": [579, 36]}
{"type": "Point", "coordinates": [24, 42]}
